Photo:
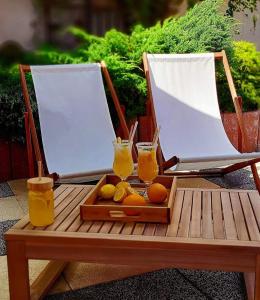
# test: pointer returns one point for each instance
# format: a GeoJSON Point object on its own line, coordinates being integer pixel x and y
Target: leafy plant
{"type": "Point", "coordinates": [241, 5]}
{"type": "Point", "coordinates": [245, 69]}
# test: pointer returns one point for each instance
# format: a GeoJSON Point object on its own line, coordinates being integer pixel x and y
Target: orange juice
{"type": "Point", "coordinates": [123, 162]}
{"type": "Point", "coordinates": [41, 201]}
{"type": "Point", "coordinates": [147, 165]}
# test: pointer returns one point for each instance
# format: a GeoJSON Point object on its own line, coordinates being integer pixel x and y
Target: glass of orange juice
{"type": "Point", "coordinates": [123, 165]}
{"type": "Point", "coordinates": [147, 163]}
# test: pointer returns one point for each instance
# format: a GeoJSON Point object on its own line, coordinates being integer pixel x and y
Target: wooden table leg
{"type": "Point", "coordinates": [250, 285]}
{"type": "Point", "coordinates": [46, 279]}
{"type": "Point", "coordinates": [18, 271]}
{"type": "Point", "coordinates": [257, 278]}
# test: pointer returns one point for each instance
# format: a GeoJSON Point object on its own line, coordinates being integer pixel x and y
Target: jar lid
{"type": "Point", "coordinates": [40, 183]}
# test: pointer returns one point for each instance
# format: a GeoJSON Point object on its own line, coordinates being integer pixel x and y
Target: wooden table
{"type": "Point", "coordinates": [211, 229]}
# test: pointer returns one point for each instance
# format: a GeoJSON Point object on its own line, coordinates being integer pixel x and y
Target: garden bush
{"type": "Point", "coordinates": [204, 28]}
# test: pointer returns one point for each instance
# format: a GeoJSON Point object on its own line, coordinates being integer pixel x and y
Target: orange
{"type": "Point", "coordinates": [157, 193]}
{"type": "Point", "coordinates": [134, 200]}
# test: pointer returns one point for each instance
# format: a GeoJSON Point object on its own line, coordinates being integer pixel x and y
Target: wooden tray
{"type": "Point", "coordinates": [96, 209]}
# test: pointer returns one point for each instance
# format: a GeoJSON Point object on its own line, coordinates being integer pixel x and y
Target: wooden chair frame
{"type": "Point", "coordinates": [242, 139]}
{"type": "Point", "coordinates": [32, 140]}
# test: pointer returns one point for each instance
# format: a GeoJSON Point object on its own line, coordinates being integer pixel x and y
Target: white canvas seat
{"type": "Point", "coordinates": [185, 106]}
{"type": "Point", "coordinates": [76, 127]}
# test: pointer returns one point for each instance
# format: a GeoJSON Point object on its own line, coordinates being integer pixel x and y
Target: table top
{"type": "Point", "coordinates": [200, 216]}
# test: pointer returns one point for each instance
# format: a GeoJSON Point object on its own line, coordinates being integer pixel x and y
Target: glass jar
{"type": "Point", "coordinates": [41, 201]}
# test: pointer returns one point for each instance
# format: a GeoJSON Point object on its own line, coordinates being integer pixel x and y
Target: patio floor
{"type": "Point", "coordinates": [79, 275]}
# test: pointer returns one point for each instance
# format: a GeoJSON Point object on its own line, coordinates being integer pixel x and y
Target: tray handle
{"type": "Point", "coordinates": [121, 214]}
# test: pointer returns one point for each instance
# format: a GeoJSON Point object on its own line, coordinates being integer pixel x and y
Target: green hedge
{"type": "Point", "coordinates": [204, 28]}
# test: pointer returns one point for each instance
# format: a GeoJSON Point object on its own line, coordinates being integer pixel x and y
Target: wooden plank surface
{"type": "Point", "coordinates": [139, 228]}
{"type": "Point", "coordinates": [218, 226]}
{"type": "Point", "coordinates": [128, 228]}
{"type": "Point", "coordinates": [250, 217]}
{"type": "Point", "coordinates": [198, 213]}
{"type": "Point", "coordinates": [106, 227]}
{"type": "Point", "coordinates": [95, 227]}
{"type": "Point", "coordinates": [184, 225]}
{"type": "Point", "coordinates": [239, 217]}
{"type": "Point", "coordinates": [150, 229]}
{"type": "Point", "coordinates": [255, 202]}
{"type": "Point", "coordinates": [207, 225]}
{"type": "Point", "coordinates": [117, 227]}
{"type": "Point", "coordinates": [85, 226]}
{"type": "Point", "coordinates": [229, 223]}
{"type": "Point", "coordinates": [174, 225]}
{"type": "Point", "coordinates": [195, 229]}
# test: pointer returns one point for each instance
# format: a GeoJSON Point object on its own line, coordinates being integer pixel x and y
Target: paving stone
{"type": "Point", "coordinates": [4, 226]}
{"type": "Point", "coordinates": [10, 209]}
{"type": "Point", "coordinates": [5, 190]}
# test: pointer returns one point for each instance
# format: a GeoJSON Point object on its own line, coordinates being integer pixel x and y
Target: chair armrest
{"type": "Point", "coordinates": [170, 163]}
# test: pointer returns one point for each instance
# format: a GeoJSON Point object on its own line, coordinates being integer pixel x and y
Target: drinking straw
{"type": "Point", "coordinates": [133, 132]}
{"type": "Point", "coordinates": [39, 169]}
{"type": "Point", "coordinates": [156, 135]}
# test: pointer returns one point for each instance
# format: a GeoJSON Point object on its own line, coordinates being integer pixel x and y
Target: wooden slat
{"type": "Point", "coordinates": [207, 225]}
{"type": "Point", "coordinates": [22, 223]}
{"type": "Point", "coordinates": [29, 226]}
{"type": "Point", "coordinates": [95, 227]}
{"type": "Point", "coordinates": [61, 196]}
{"type": "Point", "coordinates": [106, 227]}
{"type": "Point", "coordinates": [229, 223]}
{"type": "Point", "coordinates": [117, 227]}
{"type": "Point", "coordinates": [218, 227]}
{"type": "Point", "coordinates": [67, 201]}
{"type": "Point", "coordinates": [250, 217]}
{"type": "Point", "coordinates": [239, 217]}
{"type": "Point", "coordinates": [149, 229]}
{"type": "Point", "coordinates": [69, 220]}
{"type": "Point", "coordinates": [195, 230]}
{"type": "Point", "coordinates": [85, 226]}
{"type": "Point", "coordinates": [161, 230]}
{"type": "Point", "coordinates": [59, 190]}
{"type": "Point", "coordinates": [139, 228]}
{"type": "Point", "coordinates": [255, 201]}
{"type": "Point", "coordinates": [46, 279]}
{"type": "Point", "coordinates": [184, 225]}
{"type": "Point", "coordinates": [174, 225]}
{"type": "Point", "coordinates": [74, 213]}
{"type": "Point", "coordinates": [128, 228]}
{"type": "Point", "coordinates": [77, 198]}
{"type": "Point", "coordinates": [75, 225]}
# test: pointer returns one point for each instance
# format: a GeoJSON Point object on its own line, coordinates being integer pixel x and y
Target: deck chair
{"type": "Point", "coordinates": [183, 102]}
{"type": "Point", "coordinates": [76, 127]}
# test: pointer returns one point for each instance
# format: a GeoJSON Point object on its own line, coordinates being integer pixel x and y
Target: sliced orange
{"type": "Point", "coordinates": [123, 184]}
{"type": "Point", "coordinates": [131, 191]}
{"type": "Point", "coordinates": [120, 194]}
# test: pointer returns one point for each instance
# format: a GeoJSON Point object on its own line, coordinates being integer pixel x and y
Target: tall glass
{"type": "Point", "coordinates": [147, 163]}
{"type": "Point", "coordinates": [123, 165]}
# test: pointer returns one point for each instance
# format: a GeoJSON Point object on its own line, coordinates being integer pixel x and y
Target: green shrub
{"type": "Point", "coordinates": [245, 68]}
{"type": "Point", "coordinates": [204, 28]}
